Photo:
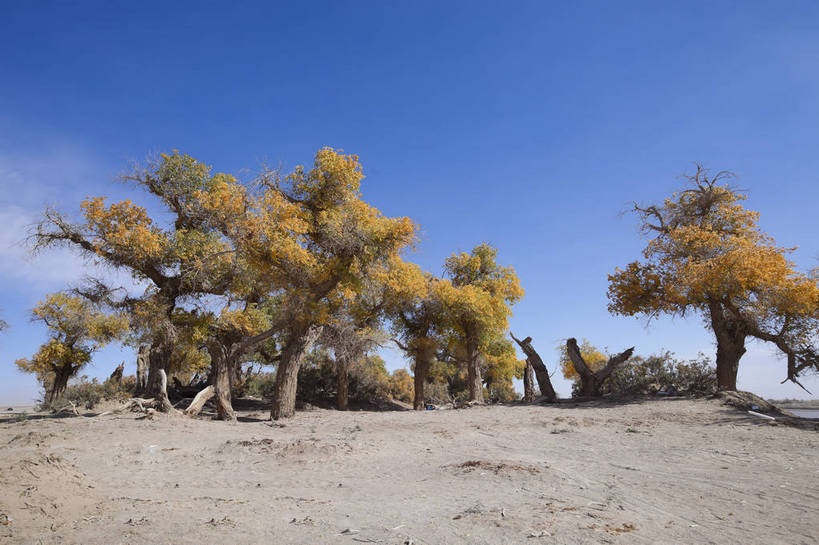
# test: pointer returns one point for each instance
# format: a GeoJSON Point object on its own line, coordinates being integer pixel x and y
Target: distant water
{"type": "Point", "coordinates": [805, 413]}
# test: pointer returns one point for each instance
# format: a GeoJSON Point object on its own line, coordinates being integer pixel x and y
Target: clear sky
{"type": "Point", "coordinates": [527, 125]}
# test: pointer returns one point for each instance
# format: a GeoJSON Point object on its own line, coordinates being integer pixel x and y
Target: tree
{"type": "Point", "coordinates": [350, 339]}
{"type": "Point", "coordinates": [707, 254]}
{"type": "Point", "coordinates": [401, 385]}
{"type": "Point", "coordinates": [76, 330]}
{"type": "Point", "coordinates": [477, 296]}
{"type": "Point", "coordinates": [310, 237]}
{"type": "Point", "coordinates": [417, 315]}
{"type": "Point", "coordinates": [500, 366]}
{"type": "Point", "coordinates": [183, 259]}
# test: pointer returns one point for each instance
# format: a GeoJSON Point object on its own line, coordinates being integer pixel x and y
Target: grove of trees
{"type": "Point", "coordinates": [296, 272]}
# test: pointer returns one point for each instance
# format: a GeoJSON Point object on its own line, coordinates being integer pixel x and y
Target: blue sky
{"type": "Point", "coordinates": [528, 125]}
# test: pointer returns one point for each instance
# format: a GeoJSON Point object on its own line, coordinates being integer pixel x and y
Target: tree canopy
{"type": "Point", "coordinates": [706, 254]}
{"type": "Point", "coordinates": [76, 329]}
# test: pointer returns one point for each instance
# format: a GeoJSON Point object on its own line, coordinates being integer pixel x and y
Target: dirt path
{"type": "Point", "coordinates": [672, 471]}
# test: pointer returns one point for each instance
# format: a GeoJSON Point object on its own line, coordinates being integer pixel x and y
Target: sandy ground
{"type": "Point", "coordinates": [670, 471]}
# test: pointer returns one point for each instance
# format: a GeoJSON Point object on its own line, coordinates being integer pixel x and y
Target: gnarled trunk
{"type": "Point", "coordinates": [141, 371]}
{"type": "Point", "coordinates": [591, 382]}
{"type": "Point", "coordinates": [61, 376]}
{"type": "Point", "coordinates": [533, 359]}
{"type": "Point", "coordinates": [162, 403]}
{"type": "Point", "coordinates": [473, 369]}
{"type": "Point", "coordinates": [730, 347]}
{"type": "Point", "coordinates": [287, 374]}
{"type": "Point", "coordinates": [159, 359]}
{"type": "Point", "coordinates": [222, 371]}
{"type": "Point", "coordinates": [528, 382]}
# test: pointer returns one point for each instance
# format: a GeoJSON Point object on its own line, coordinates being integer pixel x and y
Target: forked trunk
{"type": "Point", "coordinates": [473, 369]}
{"type": "Point", "coordinates": [287, 374]}
{"type": "Point", "coordinates": [591, 382]}
{"type": "Point", "coordinates": [116, 376]}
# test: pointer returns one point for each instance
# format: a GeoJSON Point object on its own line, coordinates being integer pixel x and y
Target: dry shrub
{"type": "Point", "coordinates": [86, 393]}
{"type": "Point", "coordinates": [662, 373]}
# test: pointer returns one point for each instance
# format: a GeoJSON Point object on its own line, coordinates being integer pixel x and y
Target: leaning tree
{"type": "Point", "coordinates": [541, 372]}
{"type": "Point", "coordinates": [706, 254]}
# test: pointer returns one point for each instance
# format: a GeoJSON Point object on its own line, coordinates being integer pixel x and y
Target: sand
{"type": "Point", "coordinates": [651, 471]}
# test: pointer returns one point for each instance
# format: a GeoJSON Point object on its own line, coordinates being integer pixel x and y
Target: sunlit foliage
{"type": "Point", "coordinates": [76, 330]}
{"type": "Point", "coordinates": [707, 254]}
{"type": "Point", "coordinates": [477, 295]}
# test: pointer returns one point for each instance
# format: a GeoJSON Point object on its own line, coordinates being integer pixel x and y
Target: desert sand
{"type": "Point", "coordinates": [649, 471]}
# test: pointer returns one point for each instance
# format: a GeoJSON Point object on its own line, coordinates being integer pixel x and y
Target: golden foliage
{"type": "Point", "coordinates": [709, 252]}
{"type": "Point", "coordinates": [76, 330]}
{"type": "Point", "coordinates": [402, 386]}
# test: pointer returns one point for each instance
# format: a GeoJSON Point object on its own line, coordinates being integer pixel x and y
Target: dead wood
{"type": "Point", "coordinates": [541, 372]}
{"type": "Point", "coordinates": [591, 382]}
{"type": "Point", "coordinates": [199, 401]}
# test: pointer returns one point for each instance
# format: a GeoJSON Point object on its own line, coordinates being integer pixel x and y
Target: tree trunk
{"type": "Point", "coordinates": [423, 355]}
{"type": "Point", "coordinates": [730, 346]}
{"type": "Point", "coordinates": [473, 369]}
{"type": "Point", "coordinates": [591, 382]}
{"type": "Point", "coordinates": [528, 382]}
{"type": "Point", "coordinates": [343, 383]}
{"type": "Point", "coordinates": [222, 363]}
{"type": "Point", "coordinates": [162, 402]}
{"type": "Point", "coordinates": [420, 379]}
{"type": "Point", "coordinates": [61, 376]}
{"type": "Point", "coordinates": [287, 374]}
{"type": "Point", "coordinates": [116, 376]}
{"type": "Point", "coordinates": [159, 359]}
{"type": "Point", "coordinates": [542, 374]}
{"type": "Point", "coordinates": [199, 401]}
{"type": "Point", "coordinates": [141, 371]}
{"type": "Point", "coordinates": [728, 356]}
